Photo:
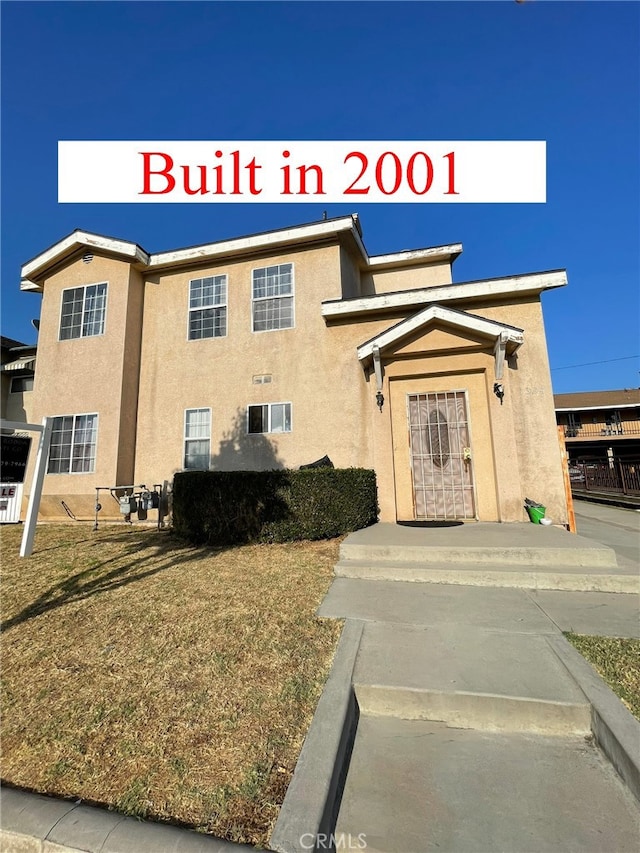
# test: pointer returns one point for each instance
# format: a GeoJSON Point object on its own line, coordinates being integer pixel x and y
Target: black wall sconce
{"type": "Point", "coordinates": [498, 390]}
{"type": "Point", "coordinates": [380, 399]}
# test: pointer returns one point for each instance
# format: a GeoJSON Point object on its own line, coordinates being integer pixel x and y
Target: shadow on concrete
{"type": "Point", "coordinates": [430, 524]}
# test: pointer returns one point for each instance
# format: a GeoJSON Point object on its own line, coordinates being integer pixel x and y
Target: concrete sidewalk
{"type": "Point", "coordinates": [477, 726]}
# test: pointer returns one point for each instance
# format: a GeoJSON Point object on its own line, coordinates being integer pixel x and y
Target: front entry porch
{"type": "Point", "coordinates": [523, 556]}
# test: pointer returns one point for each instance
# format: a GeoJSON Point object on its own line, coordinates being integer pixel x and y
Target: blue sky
{"type": "Point", "coordinates": [567, 73]}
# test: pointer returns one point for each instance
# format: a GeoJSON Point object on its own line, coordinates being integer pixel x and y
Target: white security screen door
{"type": "Point", "coordinates": [441, 464]}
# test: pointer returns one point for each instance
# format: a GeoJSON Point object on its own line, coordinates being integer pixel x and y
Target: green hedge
{"type": "Point", "coordinates": [235, 507]}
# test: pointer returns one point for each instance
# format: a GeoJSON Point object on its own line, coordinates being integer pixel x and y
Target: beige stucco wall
{"type": "Point", "coordinates": [529, 394]}
{"type": "Point", "coordinates": [391, 280]}
{"type": "Point", "coordinates": [95, 374]}
{"type": "Point", "coordinates": [312, 367]}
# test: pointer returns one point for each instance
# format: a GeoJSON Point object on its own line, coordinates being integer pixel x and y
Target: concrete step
{"type": "Point", "coordinates": [624, 579]}
{"type": "Point", "coordinates": [477, 545]}
{"type": "Point", "coordinates": [416, 786]}
{"type": "Point", "coordinates": [468, 678]}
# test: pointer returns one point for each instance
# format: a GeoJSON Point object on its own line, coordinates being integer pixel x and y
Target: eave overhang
{"type": "Point", "coordinates": [345, 229]}
{"type": "Point", "coordinates": [37, 268]}
{"type": "Point", "coordinates": [529, 284]}
{"type": "Point", "coordinates": [415, 257]}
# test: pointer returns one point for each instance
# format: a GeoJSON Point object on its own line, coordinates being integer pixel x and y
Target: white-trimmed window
{"type": "Point", "coordinates": [208, 307]}
{"type": "Point", "coordinates": [272, 298]}
{"type": "Point", "coordinates": [83, 311]}
{"type": "Point", "coordinates": [73, 444]}
{"type": "Point", "coordinates": [197, 439]}
{"type": "Point", "coordinates": [269, 417]}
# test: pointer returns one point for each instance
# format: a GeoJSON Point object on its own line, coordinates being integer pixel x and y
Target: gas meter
{"type": "Point", "coordinates": [127, 504]}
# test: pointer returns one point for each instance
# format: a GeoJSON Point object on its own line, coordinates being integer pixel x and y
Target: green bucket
{"type": "Point", "coordinates": [536, 513]}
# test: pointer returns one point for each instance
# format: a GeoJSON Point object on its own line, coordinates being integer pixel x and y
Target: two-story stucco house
{"type": "Point", "coordinates": [275, 349]}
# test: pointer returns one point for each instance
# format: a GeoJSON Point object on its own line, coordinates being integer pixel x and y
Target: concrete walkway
{"type": "Point", "coordinates": [474, 734]}
{"type": "Point", "coordinates": [476, 726]}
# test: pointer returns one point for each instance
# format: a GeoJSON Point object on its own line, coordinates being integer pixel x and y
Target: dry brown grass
{"type": "Point", "coordinates": [617, 660]}
{"type": "Point", "coordinates": [163, 680]}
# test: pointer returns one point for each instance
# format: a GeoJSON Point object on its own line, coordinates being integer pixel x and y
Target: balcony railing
{"type": "Point", "coordinates": [602, 430]}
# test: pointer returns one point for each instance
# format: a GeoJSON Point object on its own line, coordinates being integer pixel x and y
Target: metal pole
{"type": "Point", "coordinates": [36, 488]}
{"type": "Point", "coordinates": [622, 479]}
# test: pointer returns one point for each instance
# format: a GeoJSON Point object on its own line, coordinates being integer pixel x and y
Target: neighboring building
{"type": "Point", "coordinates": [17, 366]}
{"type": "Point", "coordinates": [600, 425]}
{"type": "Point", "coordinates": [275, 349]}
{"type": "Point", "coordinates": [602, 433]}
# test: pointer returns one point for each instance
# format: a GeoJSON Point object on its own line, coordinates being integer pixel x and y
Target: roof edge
{"type": "Point", "coordinates": [465, 290]}
{"type": "Point", "coordinates": [409, 257]}
{"type": "Point", "coordinates": [37, 267]}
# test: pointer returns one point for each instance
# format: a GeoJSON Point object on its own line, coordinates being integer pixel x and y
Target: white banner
{"type": "Point", "coordinates": [329, 171]}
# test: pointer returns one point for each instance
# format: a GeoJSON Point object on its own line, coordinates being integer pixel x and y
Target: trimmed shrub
{"type": "Point", "coordinates": [236, 507]}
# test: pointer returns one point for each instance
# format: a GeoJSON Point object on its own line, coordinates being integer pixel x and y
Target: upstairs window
{"type": "Point", "coordinates": [83, 311]}
{"type": "Point", "coordinates": [270, 417]}
{"type": "Point", "coordinates": [73, 444]}
{"type": "Point", "coordinates": [197, 439]}
{"type": "Point", "coordinates": [272, 298]}
{"type": "Point", "coordinates": [208, 307]}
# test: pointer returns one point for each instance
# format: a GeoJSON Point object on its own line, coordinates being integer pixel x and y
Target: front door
{"type": "Point", "coordinates": [441, 461]}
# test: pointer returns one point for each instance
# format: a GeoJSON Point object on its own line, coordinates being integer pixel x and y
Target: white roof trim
{"type": "Point", "coordinates": [530, 282]}
{"type": "Point", "coordinates": [460, 319]}
{"type": "Point", "coordinates": [84, 238]}
{"type": "Point", "coordinates": [258, 241]}
{"type": "Point", "coordinates": [600, 407]}
{"type": "Point", "coordinates": [126, 249]}
{"type": "Point", "coordinates": [415, 256]}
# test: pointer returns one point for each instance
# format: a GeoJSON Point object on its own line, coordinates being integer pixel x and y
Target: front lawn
{"type": "Point", "coordinates": [163, 680]}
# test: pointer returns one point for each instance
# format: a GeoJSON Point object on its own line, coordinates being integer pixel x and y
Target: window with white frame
{"type": "Point", "coordinates": [272, 298]}
{"type": "Point", "coordinates": [73, 444]}
{"type": "Point", "coordinates": [208, 307]}
{"type": "Point", "coordinates": [83, 311]}
{"type": "Point", "coordinates": [269, 417]}
{"type": "Point", "coordinates": [197, 438]}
